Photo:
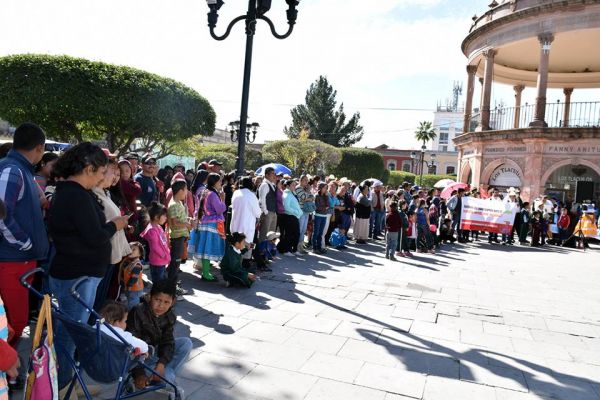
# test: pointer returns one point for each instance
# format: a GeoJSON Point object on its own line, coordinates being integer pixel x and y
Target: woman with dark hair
{"type": "Point", "coordinates": [209, 243]}
{"type": "Point", "coordinates": [43, 169]}
{"type": "Point", "coordinates": [81, 234]}
{"type": "Point", "coordinates": [130, 190]}
{"type": "Point", "coordinates": [198, 187]}
{"type": "Point", "coordinates": [245, 211]}
{"type": "Point", "coordinates": [119, 244]}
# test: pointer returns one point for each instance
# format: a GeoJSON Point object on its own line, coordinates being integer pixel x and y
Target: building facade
{"type": "Point", "coordinates": [551, 148]}
{"type": "Point", "coordinates": [448, 124]}
{"type": "Point", "coordinates": [403, 160]}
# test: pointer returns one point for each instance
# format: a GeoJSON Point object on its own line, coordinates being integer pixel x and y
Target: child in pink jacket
{"type": "Point", "coordinates": [159, 254]}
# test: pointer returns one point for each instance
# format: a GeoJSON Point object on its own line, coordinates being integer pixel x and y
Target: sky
{"type": "Point", "coordinates": [398, 55]}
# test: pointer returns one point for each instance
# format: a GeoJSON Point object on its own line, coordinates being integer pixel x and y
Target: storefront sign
{"type": "Point", "coordinates": [506, 176]}
{"type": "Point", "coordinates": [575, 179]}
{"type": "Point", "coordinates": [572, 149]}
{"type": "Point", "coordinates": [487, 215]}
{"type": "Point", "coordinates": [468, 152]}
{"type": "Point", "coordinates": [508, 149]}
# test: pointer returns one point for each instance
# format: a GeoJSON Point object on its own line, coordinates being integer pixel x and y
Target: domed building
{"type": "Point", "coordinates": [546, 147]}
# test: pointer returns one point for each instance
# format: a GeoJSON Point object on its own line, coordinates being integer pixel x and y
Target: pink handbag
{"type": "Point", "coordinates": [42, 382]}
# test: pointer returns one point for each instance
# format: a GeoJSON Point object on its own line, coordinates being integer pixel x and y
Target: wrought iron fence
{"type": "Point", "coordinates": [581, 115]}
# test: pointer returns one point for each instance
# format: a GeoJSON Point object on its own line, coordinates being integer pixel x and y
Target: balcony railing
{"type": "Point", "coordinates": [581, 115]}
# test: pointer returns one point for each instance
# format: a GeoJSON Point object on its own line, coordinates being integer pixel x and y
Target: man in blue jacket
{"type": "Point", "coordinates": [23, 235]}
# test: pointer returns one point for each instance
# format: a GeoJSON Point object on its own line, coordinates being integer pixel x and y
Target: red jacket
{"type": "Point", "coordinates": [393, 222]}
{"type": "Point", "coordinates": [564, 221]}
{"type": "Point", "coordinates": [131, 190]}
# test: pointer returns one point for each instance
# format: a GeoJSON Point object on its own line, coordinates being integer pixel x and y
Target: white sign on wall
{"type": "Point", "coordinates": [506, 176]}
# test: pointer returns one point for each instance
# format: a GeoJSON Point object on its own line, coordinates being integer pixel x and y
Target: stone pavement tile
{"type": "Point", "coordinates": [358, 331]}
{"type": "Point", "coordinates": [483, 314]}
{"type": "Point", "coordinates": [395, 323]}
{"type": "Point", "coordinates": [392, 396]}
{"type": "Point", "coordinates": [380, 354]}
{"type": "Point", "coordinates": [428, 363]}
{"type": "Point", "coordinates": [486, 341]}
{"type": "Point", "coordinates": [542, 349]}
{"type": "Point", "coordinates": [507, 330]}
{"type": "Point", "coordinates": [524, 320]}
{"type": "Point", "coordinates": [356, 295]}
{"type": "Point", "coordinates": [341, 315]}
{"type": "Point", "coordinates": [446, 309]}
{"type": "Point", "coordinates": [573, 328]}
{"type": "Point", "coordinates": [272, 316]}
{"type": "Point", "coordinates": [592, 343]}
{"type": "Point", "coordinates": [326, 389]}
{"type": "Point", "coordinates": [223, 324]}
{"type": "Point", "coordinates": [315, 341]}
{"type": "Point", "coordinates": [391, 380]}
{"type": "Point", "coordinates": [188, 385]}
{"type": "Point", "coordinates": [274, 383]}
{"type": "Point", "coordinates": [428, 329]}
{"type": "Point", "coordinates": [215, 370]}
{"type": "Point", "coordinates": [562, 339]}
{"type": "Point", "coordinates": [463, 324]}
{"type": "Point", "coordinates": [575, 370]}
{"type": "Point", "coordinates": [266, 332]}
{"type": "Point", "coordinates": [220, 393]}
{"type": "Point", "coordinates": [437, 388]}
{"type": "Point", "coordinates": [328, 293]}
{"type": "Point", "coordinates": [368, 287]}
{"type": "Point", "coordinates": [271, 354]}
{"type": "Point", "coordinates": [332, 367]}
{"type": "Point", "coordinates": [584, 356]}
{"type": "Point", "coordinates": [527, 363]}
{"type": "Point", "coordinates": [507, 378]}
{"type": "Point", "coordinates": [306, 307]}
{"type": "Point", "coordinates": [561, 389]}
{"type": "Point", "coordinates": [405, 291]}
{"type": "Point", "coordinates": [314, 324]}
{"type": "Point", "coordinates": [506, 394]}
{"type": "Point", "coordinates": [419, 314]}
{"type": "Point", "coordinates": [228, 308]}
{"type": "Point", "coordinates": [374, 309]}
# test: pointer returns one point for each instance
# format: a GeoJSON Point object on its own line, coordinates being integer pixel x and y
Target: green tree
{"type": "Point", "coordinates": [75, 99]}
{"type": "Point", "coordinates": [425, 132]}
{"type": "Point", "coordinates": [360, 164]}
{"type": "Point", "coordinates": [319, 118]}
{"type": "Point", "coordinates": [226, 153]}
{"type": "Point", "coordinates": [303, 156]}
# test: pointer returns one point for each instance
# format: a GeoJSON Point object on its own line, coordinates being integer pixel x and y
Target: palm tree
{"type": "Point", "coordinates": [424, 134]}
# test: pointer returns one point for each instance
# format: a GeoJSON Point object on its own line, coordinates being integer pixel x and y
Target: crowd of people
{"type": "Point", "coordinates": [89, 213]}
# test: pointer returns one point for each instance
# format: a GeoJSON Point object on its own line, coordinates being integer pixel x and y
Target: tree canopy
{"type": "Point", "coordinates": [360, 164]}
{"type": "Point", "coordinates": [303, 156]}
{"type": "Point", "coordinates": [320, 118]}
{"type": "Point", "coordinates": [425, 132]}
{"type": "Point", "coordinates": [75, 99]}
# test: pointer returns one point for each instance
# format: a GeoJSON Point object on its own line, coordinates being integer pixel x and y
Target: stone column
{"type": "Point", "coordinates": [546, 40]}
{"type": "Point", "coordinates": [518, 92]}
{"type": "Point", "coordinates": [486, 98]}
{"type": "Point", "coordinates": [567, 111]}
{"type": "Point", "coordinates": [471, 69]}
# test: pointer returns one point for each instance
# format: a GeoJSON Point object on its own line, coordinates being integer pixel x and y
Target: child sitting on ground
{"type": "Point", "coordinates": [153, 321]}
{"type": "Point", "coordinates": [116, 315]}
{"type": "Point", "coordinates": [266, 251]}
{"type": "Point", "coordinates": [131, 276]}
{"type": "Point", "coordinates": [231, 264]}
{"type": "Point", "coordinates": [338, 239]}
{"type": "Point", "coordinates": [446, 232]}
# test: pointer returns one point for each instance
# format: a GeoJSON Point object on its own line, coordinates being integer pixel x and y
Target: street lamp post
{"type": "Point", "coordinates": [429, 164]}
{"type": "Point", "coordinates": [251, 131]}
{"type": "Point", "coordinates": [256, 10]}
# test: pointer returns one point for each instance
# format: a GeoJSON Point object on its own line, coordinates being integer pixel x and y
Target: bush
{"type": "Point", "coordinates": [430, 180]}
{"type": "Point", "coordinates": [360, 164]}
{"type": "Point", "coordinates": [303, 155]}
{"type": "Point", "coordinates": [397, 178]}
{"type": "Point", "coordinates": [228, 152]}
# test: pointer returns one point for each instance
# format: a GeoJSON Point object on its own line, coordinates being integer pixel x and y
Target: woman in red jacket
{"type": "Point", "coordinates": [130, 189]}
{"type": "Point", "coordinates": [563, 225]}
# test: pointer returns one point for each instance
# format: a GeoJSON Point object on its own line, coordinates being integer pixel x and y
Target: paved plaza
{"type": "Point", "coordinates": [472, 322]}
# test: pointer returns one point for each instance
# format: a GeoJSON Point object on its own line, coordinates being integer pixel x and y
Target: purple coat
{"type": "Point", "coordinates": [213, 208]}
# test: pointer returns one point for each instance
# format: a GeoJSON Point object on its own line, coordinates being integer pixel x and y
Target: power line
{"type": "Point", "coordinates": [346, 106]}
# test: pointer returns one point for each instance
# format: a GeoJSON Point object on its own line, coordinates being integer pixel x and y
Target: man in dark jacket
{"type": "Point", "coordinates": [24, 240]}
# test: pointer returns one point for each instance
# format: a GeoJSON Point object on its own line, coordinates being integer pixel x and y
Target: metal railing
{"type": "Point", "coordinates": [581, 115]}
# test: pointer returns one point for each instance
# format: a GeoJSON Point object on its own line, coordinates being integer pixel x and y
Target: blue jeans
{"type": "Point", "coordinates": [376, 222]}
{"type": "Point", "coordinates": [71, 307]}
{"type": "Point", "coordinates": [391, 243]}
{"type": "Point", "coordinates": [183, 347]}
{"type": "Point", "coordinates": [303, 225]}
{"type": "Point", "coordinates": [318, 227]}
{"type": "Point", "coordinates": [157, 273]}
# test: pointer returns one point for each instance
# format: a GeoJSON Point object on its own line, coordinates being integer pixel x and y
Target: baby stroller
{"type": "Point", "coordinates": [104, 359]}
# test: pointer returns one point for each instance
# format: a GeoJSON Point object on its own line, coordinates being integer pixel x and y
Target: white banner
{"type": "Point", "coordinates": [487, 215]}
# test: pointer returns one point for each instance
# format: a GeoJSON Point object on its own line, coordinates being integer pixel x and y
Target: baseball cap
{"type": "Point", "coordinates": [215, 162]}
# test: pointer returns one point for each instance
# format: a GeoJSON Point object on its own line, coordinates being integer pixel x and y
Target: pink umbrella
{"type": "Point", "coordinates": [447, 192]}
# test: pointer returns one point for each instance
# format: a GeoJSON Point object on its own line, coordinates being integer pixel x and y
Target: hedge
{"type": "Point", "coordinates": [360, 164]}
{"type": "Point", "coordinates": [399, 177]}
{"type": "Point", "coordinates": [228, 152]}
